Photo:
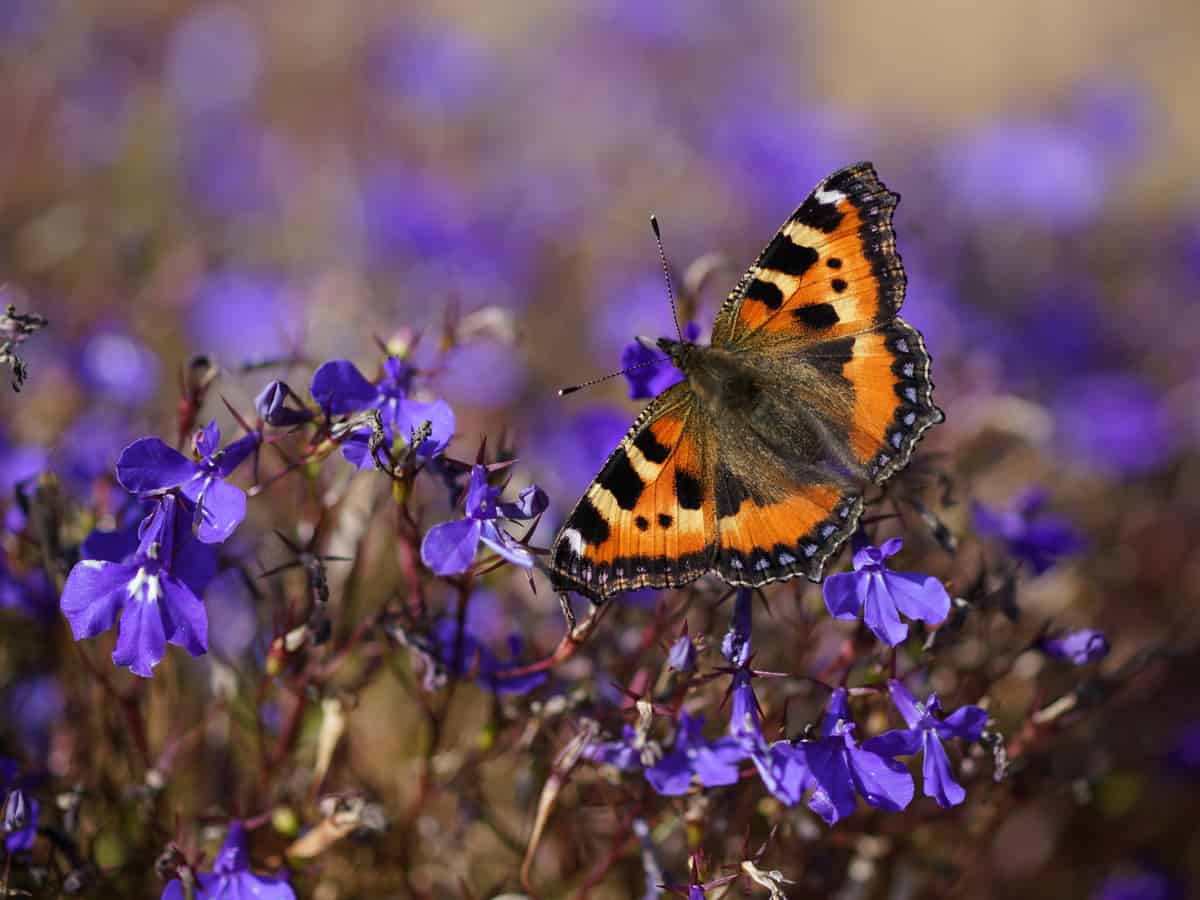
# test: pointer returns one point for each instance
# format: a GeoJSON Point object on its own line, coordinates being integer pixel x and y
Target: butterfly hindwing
{"type": "Point", "coordinates": [648, 518]}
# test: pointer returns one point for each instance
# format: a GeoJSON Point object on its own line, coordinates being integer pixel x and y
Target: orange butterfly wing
{"type": "Point", "coordinates": [828, 290]}
{"type": "Point", "coordinates": [648, 518]}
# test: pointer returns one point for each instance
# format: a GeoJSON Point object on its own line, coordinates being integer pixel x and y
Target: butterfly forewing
{"type": "Point", "coordinates": [832, 270]}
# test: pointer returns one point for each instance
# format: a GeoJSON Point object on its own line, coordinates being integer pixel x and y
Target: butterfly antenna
{"type": "Point", "coordinates": [562, 392]}
{"type": "Point", "coordinates": [662, 258]}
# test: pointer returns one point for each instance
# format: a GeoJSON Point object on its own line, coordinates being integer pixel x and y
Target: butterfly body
{"type": "Point", "coordinates": [754, 466]}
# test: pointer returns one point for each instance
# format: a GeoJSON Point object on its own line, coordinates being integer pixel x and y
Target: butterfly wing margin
{"type": "Point", "coordinates": [647, 519]}
{"type": "Point", "coordinates": [832, 270]}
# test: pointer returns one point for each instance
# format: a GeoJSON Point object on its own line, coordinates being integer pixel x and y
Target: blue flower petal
{"type": "Point", "coordinates": [938, 777]}
{"type": "Point", "coordinates": [449, 548]}
{"type": "Point", "coordinates": [843, 595]}
{"type": "Point", "coordinates": [141, 636]}
{"type": "Point", "coordinates": [149, 464]}
{"type": "Point", "coordinates": [339, 388]}
{"type": "Point", "coordinates": [95, 591]}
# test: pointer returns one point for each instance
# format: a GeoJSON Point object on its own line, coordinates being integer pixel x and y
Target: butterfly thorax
{"type": "Point", "coordinates": [717, 377]}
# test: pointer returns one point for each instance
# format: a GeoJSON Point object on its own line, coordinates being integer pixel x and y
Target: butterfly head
{"type": "Point", "coordinates": [678, 352]}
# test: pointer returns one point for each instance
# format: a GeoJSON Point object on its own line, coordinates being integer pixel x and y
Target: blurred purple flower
{"type": "Point", "coordinates": [1030, 535]}
{"type": "Point", "coordinates": [881, 595]}
{"type": "Point", "coordinates": [682, 655]}
{"type": "Point", "coordinates": [229, 602]}
{"type": "Point", "coordinates": [1115, 117]}
{"type": "Point", "coordinates": [263, 306]}
{"type": "Point", "coordinates": [94, 111]}
{"type": "Point", "coordinates": [119, 368]}
{"type": "Point", "coordinates": [30, 592]}
{"type": "Point", "coordinates": [449, 548]}
{"type": "Point", "coordinates": [156, 590]}
{"type": "Point", "coordinates": [231, 876]}
{"type": "Point", "coordinates": [735, 646]}
{"type": "Point", "coordinates": [20, 812]}
{"type": "Point", "coordinates": [1045, 173]}
{"type": "Point", "coordinates": [474, 658]}
{"type": "Point", "coordinates": [650, 371]}
{"type": "Point", "coordinates": [924, 735]}
{"type": "Point", "coordinates": [1184, 751]}
{"type": "Point", "coordinates": [575, 449]}
{"type": "Point", "coordinates": [1077, 647]}
{"type": "Point", "coordinates": [628, 307]}
{"type": "Point", "coordinates": [271, 406]}
{"type": "Point", "coordinates": [23, 20]}
{"type": "Point", "coordinates": [1148, 884]}
{"type": "Point", "coordinates": [213, 60]}
{"type": "Point", "coordinates": [91, 445]}
{"type": "Point", "coordinates": [838, 768]}
{"type": "Point", "coordinates": [482, 373]}
{"type": "Point", "coordinates": [18, 464]}
{"type": "Point", "coordinates": [339, 388]}
{"type": "Point", "coordinates": [443, 71]}
{"type": "Point", "coordinates": [774, 168]}
{"type": "Point", "coordinates": [712, 763]}
{"type": "Point", "coordinates": [33, 705]}
{"type": "Point", "coordinates": [1115, 423]}
{"type": "Point", "coordinates": [150, 465]}
{"type": "Point", "coordinates": [231, 165]}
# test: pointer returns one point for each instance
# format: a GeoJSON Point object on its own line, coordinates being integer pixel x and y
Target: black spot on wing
{"type": "Point", "coordinates": [821, 216]}
{"type": "Point", "coordinates": [818, 315]}
{"type": "Point", "coordinates": [592, 526]}
{"type": "Point", "coordinates": [688, 490]}
{"type": "Point", "coordinates": [787, 257]}
{"type": "Point", "coordinates": [730, 492]}
{"type": "Point", "coordinates": [765, 293]}
{"type": "Point", "coordinates": [664, 520]}
{"type": "Point", "coordinates": [833, 262]}
{"type": "Point", "coordinates": [650, 447]}
{"type": "Point", "coordinates": [830, 358]}
{"type": "Point", "coordinates": [838, 284]}
{"type": "Point", "coordinates": [642, 523]}
{"type": "Point", "coordinates": [621, 480]}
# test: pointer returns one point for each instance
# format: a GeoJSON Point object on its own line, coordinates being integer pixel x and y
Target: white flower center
{"type": "Point", "coordinates": [145, 587]}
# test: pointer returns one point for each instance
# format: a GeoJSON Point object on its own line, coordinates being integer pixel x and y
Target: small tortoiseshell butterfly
{"type": "Point", "coordinates": [754, 466]}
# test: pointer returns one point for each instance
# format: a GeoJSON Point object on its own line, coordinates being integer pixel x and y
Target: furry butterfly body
{"type": "Point", "coordinates": [754, 466]}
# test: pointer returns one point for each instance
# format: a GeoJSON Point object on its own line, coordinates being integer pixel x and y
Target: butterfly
{"type": "Point", "coordinates": [754, 466]}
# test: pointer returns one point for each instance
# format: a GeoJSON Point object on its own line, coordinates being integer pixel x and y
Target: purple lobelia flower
{"type": "Point", "coordinates": [19, 811]}
{"type": "Point", "coordinates": [1147, 884]}
{"type": "Point", "coordinates": [469, 656]}
{"type": "Point", "coordinates": [32, 707]}
{"type": "Point", "coordinates": [156, 590]}
{"type": "Point", "coordinates": [449, 548]}
{"type": "Point", "coordinates": [231, 876]}
{"type": "Point", "coordinates": [339, 388]}
{"type": "Point", "coordinates": [149, 466]}
{"type": "Point", "coordinates": [783, 772]}
{"type": "Point", "coordinates": [30, 592]}
{"type": "Point", "coordinates": [712, 763]}
{"type": "Point", "coordinates": [925, 734]}
{"type": "Point", "coordinates": [271, 405]}
{"type": "Point", "coordinates": [735, 646]}
{"type": "Point", "coordinates": [1030, 534]}
{"type": "Point", "coordinates": [882, 595]}
{"type": "Point", "coordinates": [1078, 647]}
{"type": "Point", "coordinates": [838, 768]}
{"type": "Point", "coordinates": [648, 372]}
{"type": "Point", "coordinates": [682, 655]}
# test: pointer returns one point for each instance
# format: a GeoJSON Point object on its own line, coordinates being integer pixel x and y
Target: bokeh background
{"type": "Point", "coordinates": [274, 184]}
